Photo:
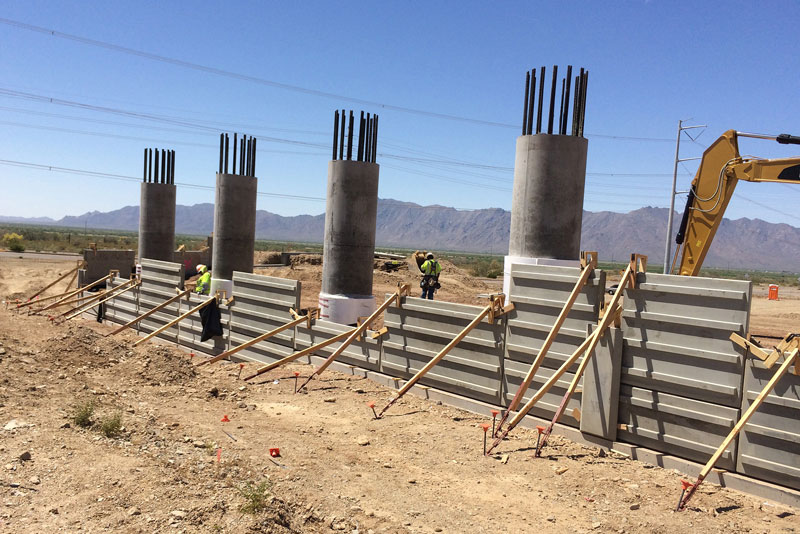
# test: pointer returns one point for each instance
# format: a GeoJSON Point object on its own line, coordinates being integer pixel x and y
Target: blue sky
{"type": "Point", "coordinates": [730, 65]}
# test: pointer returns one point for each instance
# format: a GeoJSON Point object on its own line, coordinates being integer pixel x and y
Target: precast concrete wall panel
{"type": "Point", "coordinates": [261, 303]}
{"type": "Point", "coordinates": [539, 293]}
{"type": "Point", "coordinates": [769, 444]}
{"type": "Point", "coordinates": [422, 328]}
{"type": "Point", "coordinates": [190, 330]}
{"type": "Point", "coordinates": [159, 281]}
{"type": "Point", "coordinates": [676, 331]}
{"type": "Point", "coordinates": [681, 375]}
{"type": "Point", "coordinates": [123, 308]}
{"type": "Point", "coordinates": [365, 353]}
{"type": "Point", "coordinates": [676, 425]}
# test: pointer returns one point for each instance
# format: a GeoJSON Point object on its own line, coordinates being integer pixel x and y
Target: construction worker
{"type": "Point", "coordinates": [430, 276]}
{"type": "Point", "coordinates": [204, 282]}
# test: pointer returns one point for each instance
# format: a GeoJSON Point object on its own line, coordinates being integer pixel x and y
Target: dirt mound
{"type": "Point", "coordinates": [306, 259]}
{"type": "Point", "coordinates": [157, 364]}
{"type": "Point", "coordinates": [267, 257]}
{"type": "Point", "coordinates": [79, 345]}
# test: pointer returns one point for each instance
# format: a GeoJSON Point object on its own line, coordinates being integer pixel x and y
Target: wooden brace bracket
{"type": "Point", "coordinates": [498, 308]}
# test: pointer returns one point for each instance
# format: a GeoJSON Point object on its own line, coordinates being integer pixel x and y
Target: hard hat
{"type": "Point", "coordinates": [201, 268]}
{"type": "Point", "coordinates": [429, 255]}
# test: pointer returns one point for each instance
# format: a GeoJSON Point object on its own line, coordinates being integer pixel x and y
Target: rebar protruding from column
{"type": "Point", "coordinates": [244, 155]}
{"type": "Point", "coordinates": [366, 149]}
{"type": "Point", "coordinates": [576, 100]}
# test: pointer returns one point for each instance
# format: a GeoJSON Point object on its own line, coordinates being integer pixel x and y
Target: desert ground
{"type": "Point", "coordinates": [172, 465]}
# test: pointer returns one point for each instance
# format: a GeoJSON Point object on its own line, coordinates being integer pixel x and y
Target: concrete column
{"type": "Point", "coordinates": [157, 221]}
{"type": "Point", "coordinates": [547, 206]}
{"type": "Point", "coordinates": [349, 248]}
{"type": "Point", "coordinates": [547, 202]}
{"type": "Point", "coordinates": [234, 229]}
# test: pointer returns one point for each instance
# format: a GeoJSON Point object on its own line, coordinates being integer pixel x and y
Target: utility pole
{"type": "Point", "coordinates": [668, 248]}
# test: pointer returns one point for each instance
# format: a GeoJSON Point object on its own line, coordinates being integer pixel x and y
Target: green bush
{"type": "Point", "coordinates": [13, 242]}
{"type": "Point", "coordinates": [112, 426]}
{"type": "Point", "coordinates": [83, 414]}
{"type": "Point", "coordinates": [256, 496]}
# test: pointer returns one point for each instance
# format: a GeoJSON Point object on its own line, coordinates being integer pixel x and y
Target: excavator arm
{"type": "Point", "coordinates": [720, 170]}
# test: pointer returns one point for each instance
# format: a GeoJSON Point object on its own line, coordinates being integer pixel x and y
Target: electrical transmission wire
{"type": "Point", "coordinates": [280, 85]}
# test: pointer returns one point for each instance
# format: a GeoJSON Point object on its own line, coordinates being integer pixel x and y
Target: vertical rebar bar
{"type": "Point", "coordinates": [221, 146]}
{"type": "Point", "coordinates": [155, 176]}
{"type": "Point", "coordinates": [235, 145]}
{"type": "Point", "coordinates": [367, 137]}
{"type": "Point", "coordinates": [552, 100]}
{"type": "Point", "coordinates": [541, 101]}
{"type": "Point", "coordinates": [241, 154]}
{"type": "Point", "coordinates": [144, 173]}
{"type": "Point", "coordinates": [583, 103]}
{"type": "Point", "coordinates": [350, 137]}
{"type": "Point", "coordinates": [254, 157]}
{"type": "Point", "coordinates": [525, 106]}
{"type": "Point", "coordinates": [575, 109]}
{"type": "Point", "coordinates": [163, 165]}
{"type": "Point", "coordinates": [375, 139]}
{"type": "Point", "coordinates": [531, 101]}
{"type": "Point", "coordinates": [566, 100]}
{"type": "Point", "coordinates": [172, 178]}
{"type": "Point", "coordinates": [335, 134]}
{"type": "Point", "coordinates": [561, 109]}
{"type": "Point", "coordinates": [361, 137]}
{"type": "Point", "coordinates": [226, 153]}
{"type": "Point", "coordinates": [341, 135]}
{"type": "Point", "coordinates": [150, 174]}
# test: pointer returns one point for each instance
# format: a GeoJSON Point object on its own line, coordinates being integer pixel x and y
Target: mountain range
{"type": "Point", "coordinates": [740, 244]}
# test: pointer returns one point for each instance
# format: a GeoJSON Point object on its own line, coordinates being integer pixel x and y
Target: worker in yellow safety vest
{"type": "Point", "coordinates": [204, 282]}
{"type": "Point", "coordinates": [430, 276]}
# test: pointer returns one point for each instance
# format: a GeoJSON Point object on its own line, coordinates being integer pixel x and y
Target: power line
{"type": "Point", "coordinates": [280, 85]}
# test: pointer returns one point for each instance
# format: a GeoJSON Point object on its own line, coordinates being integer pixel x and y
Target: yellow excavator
{"type": "Point", "coordinates": [720, 169]}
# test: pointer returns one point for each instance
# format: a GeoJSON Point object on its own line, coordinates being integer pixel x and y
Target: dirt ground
{"type": "Point", "coordinates": [419, 469]}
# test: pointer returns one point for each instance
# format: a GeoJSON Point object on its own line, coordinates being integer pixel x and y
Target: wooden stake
{"type": "Point", "coordinates": [175, 321]}
{"type": "Point", "coordinates": [74, 271]}
{"type": "Point", "coordinates": [442, 353]}
{"type": "Point", "coordinates": [99, 295]}
{"type": "Point", "coordinates": [109, 296]}
{"type": "Point", "coordinates": [402, 290]}
{"type": "Point", "coordinates": [79, 290]}
{"type": "Point", "coordinates": [589, 260]}
{"type": "Point", "coordinates": [151, 312]}
{"type": "Point", "coordinates": [292, 357]}
{"type": "Point", "coordinates": [255, 340]}
{"type": "Point", "coordinates": [637, 263]}
{"type": "Point", "coordinates": [740, 424]}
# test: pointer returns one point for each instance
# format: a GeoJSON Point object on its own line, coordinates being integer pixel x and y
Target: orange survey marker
{"type": "Point", "coordinates": [225, 419]}
{"type": "Point", "coordinates": [275, 452]}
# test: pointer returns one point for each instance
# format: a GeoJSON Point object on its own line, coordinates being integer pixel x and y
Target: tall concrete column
{"type": "Point", "coordinates": [157, 206]}
{"type": "Point", "coordinates": [234, 229]}
{"type": "Point", "coordinates": [157, 222]}
{"type": "Point", "coordinates": [547, 206]}
{"type": "Point", "coordinates": [349, 247]}
{"type": "Point", "coordinates": [549, 175]}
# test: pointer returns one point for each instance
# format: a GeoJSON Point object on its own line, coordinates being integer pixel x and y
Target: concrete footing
{"type": "Point", "coordinates": [157, 222]}
{"type": "Point", "coordinates": [234, 228]}
{"type": "Point", "coordinates": [348, 254]}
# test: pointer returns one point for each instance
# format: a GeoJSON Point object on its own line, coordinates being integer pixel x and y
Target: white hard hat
{"type": "Point", "coordinates": [429, 255]}
{"type": "Point", "coordinates": [201, 268]}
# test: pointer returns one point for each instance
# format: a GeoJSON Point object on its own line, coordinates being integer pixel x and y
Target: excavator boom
{"type": "Point", "coordinates": [720, 170]}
